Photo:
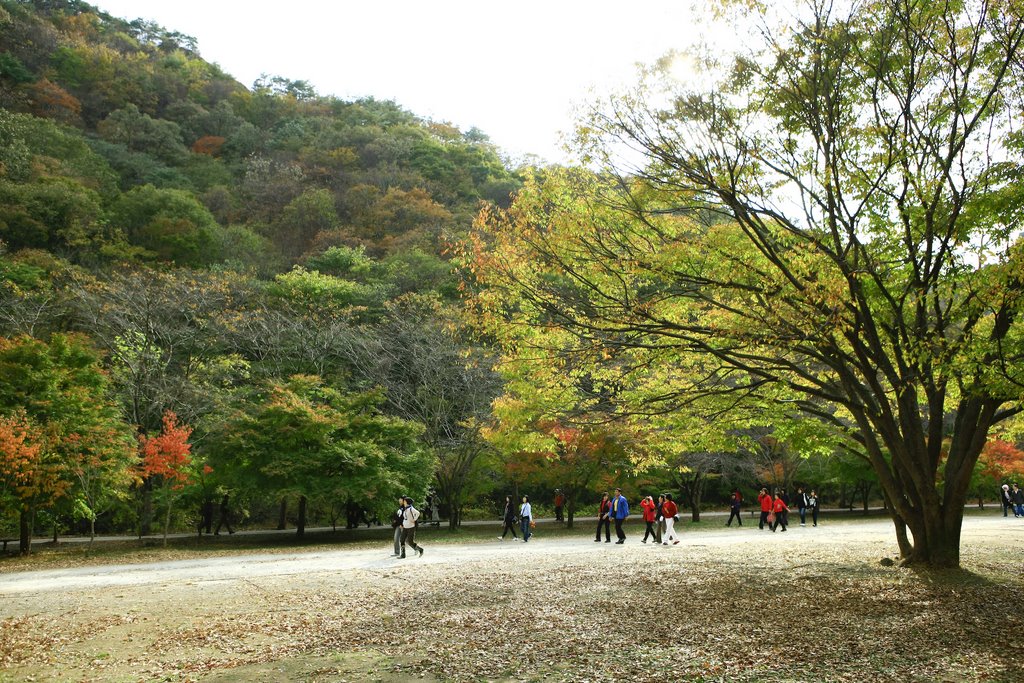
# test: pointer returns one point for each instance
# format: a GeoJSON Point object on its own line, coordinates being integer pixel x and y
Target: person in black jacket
{"type": "Point", "coordinates": [1006, 498]}
{"type": "Point", "coordinates": [396, 524]}
{"type": "Point", "coordinates": [1017, 496]}
{"type": "Point", "coordinates": [225, 516]}
{"type": "Point", "coordinates": [801, 504]}
{"type": "Point", "coordinates": [508, 517]}
{"type": "Point", "coordinates": [735, 502]}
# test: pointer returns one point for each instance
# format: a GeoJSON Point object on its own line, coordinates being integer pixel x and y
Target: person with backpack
{"type": "Point", "coordinates": [410, 517]}
{"type": "Point", "coordinates": [396, 524]}
{"type": "Point", "coordinates": [525, 515]}
{"type": "Point", "coordinates": [669, 510]}
{"type": "Point", "coordinates": [508, 517]}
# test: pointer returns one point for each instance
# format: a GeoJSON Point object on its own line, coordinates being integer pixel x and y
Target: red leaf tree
{"type": "Point", "coordinates": [166, 460]}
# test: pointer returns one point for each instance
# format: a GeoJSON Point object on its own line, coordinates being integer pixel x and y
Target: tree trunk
{"type": "Point", "coordinates": [146, 514]}
{"type": "Point", "coordinates": [55, 529]}
{"type": "Point", "coordinates": [282, 519]}
{"type": "Point", "coordinates": [300, 525]}
{"type": "Point", "coordinates": [25, 530]}
{"type": "Point", "coordinates": [167, 521]}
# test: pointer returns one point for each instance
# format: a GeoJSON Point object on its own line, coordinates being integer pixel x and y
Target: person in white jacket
{"type": "Point", "coordinates": [410, 515]}
{"type": "Point", "coordinates": [525, 514]}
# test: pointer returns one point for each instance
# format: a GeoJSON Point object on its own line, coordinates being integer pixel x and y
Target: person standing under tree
{"type": "Point", "coordinates": [508, 517]}
{"type": "Point", "coordinates": [225, 516]}
{"type": "Point", "coordinates": [410, 516]}
{"type": "Point", "coordinates": [602, 519]}
{"type": "Point", "coordinates": [735, 501]}
{"type": "Point", "coordinates": [559, 504]}
{"type": "Point", "coordinates": [619, 511]}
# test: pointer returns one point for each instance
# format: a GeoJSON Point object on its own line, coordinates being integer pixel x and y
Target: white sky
{"type": "Point", "coordinates": [513, 69]}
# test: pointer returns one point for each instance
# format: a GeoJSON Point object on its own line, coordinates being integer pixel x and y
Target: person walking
{"type": "Point", "coordinates": [396, 524]}
{"type": "Point", "coordinates": [525, 516]}
{"type": "Point", "coordinates": [661, 519]}
{"type": "Point", "coordinates": [765, 500]}
{"type": "Point", "coordinates": [508, 517]}
{"type": "Point", "coordinates": [559, 504]}
{"type": "Point", "coordinates": [410, 517]}
{"type": "Point", "coordinates": [225, 516]}
{"type": "Point", "coordinates": [206, 516]}
{"type": "Point", "coordinates": [1006, 498]}
{"type": "Point", "coordinates": [1017, 495]}
{"type": "Point", "coordinates": [668, 513]}
{"type": "Point", "coordinates": [780, 509]}
{"type": "Point", "coordinates": [602, 519]}
{"type": "Point", "coordinates": [735, 501]}
{"type": "Point", "coordinates": [801, 505]}
{"type": "Point", "coordinates": [812, 503]}
{"type": "Point", "coordinates": [650, 509]}
{"type": "Point", "coordinates": [619, 512]}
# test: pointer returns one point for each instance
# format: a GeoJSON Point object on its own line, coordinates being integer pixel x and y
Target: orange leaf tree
{"type": "Point", "coordinates": [166, 460]}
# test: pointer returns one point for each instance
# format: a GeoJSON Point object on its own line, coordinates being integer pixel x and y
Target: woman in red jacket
{"type": "Point", "coordinates": [669, 510]}
{"type": "Point", "coordinates": [765, 499]}
{"type": "Point", "coordinates": [650, 509]}
{"type": "Point", "coordinates": [780, 508]}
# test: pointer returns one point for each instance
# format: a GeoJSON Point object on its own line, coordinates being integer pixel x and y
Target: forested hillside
{"type": "Point", "coordinates": [242, 261]}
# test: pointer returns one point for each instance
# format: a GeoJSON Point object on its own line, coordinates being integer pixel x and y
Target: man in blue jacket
{"type": "Point", "coordinates": [619, 511]}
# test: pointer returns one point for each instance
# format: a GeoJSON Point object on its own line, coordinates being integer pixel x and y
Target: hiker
{"type": "Point", "coordinates": [1017, 495]}
{"type": "Point", "coordinates": [619, 511]}
{"type": "Point", "coordinates": [410, 516]}
{"type": "Point", "coordinates": [396, 524]}
{"type": "Point", "coordinates": [766, 507]}
{"type": "Point", "coordinates": [660, 518]}
{"type": "Point", "coordinates": [812, 503]}
{"type": "Point", "coordinates": [525, 517]}
{"type": "Point", "coordinates": [508, 517]}
{"type": "Point", "coordinates": [779, 508]}
{"type": "Point", "coordinates": [1006, 498]}
{"type": "Point", "coordinates": [734, 508]}
{"type": "Point", "coordinates": [206, 516]}
{"type": "Point", "coordinates": [559, 504]}
{"type": "Point", "coordinates": [801, 504]}
{"type": "Point", "coordinates": [602, 519]}
{"type": "Point", "coordinates": [225, 516]}
{"type": "Point", "coordinates": [650, 509]}
{"type": "Point", "coordinates": [668, 513]}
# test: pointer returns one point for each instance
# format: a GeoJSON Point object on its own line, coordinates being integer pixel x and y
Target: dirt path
{"type": "Point", "coordinates": [459, 612]}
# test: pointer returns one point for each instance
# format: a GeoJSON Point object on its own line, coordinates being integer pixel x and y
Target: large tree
{"type": "Point", "coordinates": [831, 222]}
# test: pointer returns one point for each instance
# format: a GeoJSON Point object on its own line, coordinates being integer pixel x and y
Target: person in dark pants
{"type": "Point", "coordinates": [1018, 501]}
{"type": "Point", "coordinates": [559, 505]}
{"type": "Point", "coordinates": [508, 517]}
{"type": "Point", "coordinates": [1006, 498]}
{"type": "Point", "coordinates": [801, 504]}
{"type": "Point", "coordinates": [526, 519]}
{"type": "Point", "coordinates": [780, 509]}
{"type": "Point", "coordinates": [225, 516]}
{"type": "Point", "coordinates": [602, 519]}
{"type": "Point", "coordinates": [206, 516]}
{"type": "Point", "coordinates": [396, 524]}
{"type": "Point", "coordinates": [734, 509]}
{"type": "Point", "coordinates": [410, 515]}
{"type": "Point", "coordinates": [619, 511]}
{"type": "Point", "coordinates": [650, 509]}
{"type": "Point", "coordinates": [765, 500]}
{"type": "Point", "coordinates": [812, 502]}
{"type": "Point", "coordinates": [661, 519]}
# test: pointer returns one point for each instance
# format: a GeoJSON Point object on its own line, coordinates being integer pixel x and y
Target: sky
{"type": "Point", "coordinates": [515, 70]}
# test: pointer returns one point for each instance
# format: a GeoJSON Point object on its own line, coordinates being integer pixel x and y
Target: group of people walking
{"type": "Point", "coordinates": [524, 516]}
{"type": "Point", "coordinates": [1013, 499]}
{"type": "Point", "coordinates": [404, 521]}
{"type": "Point", "coordinates": [775, 509]}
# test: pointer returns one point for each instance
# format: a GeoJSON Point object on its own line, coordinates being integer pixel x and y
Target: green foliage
{"type": "Point", "coordinates": [304, 437]}
{"type": "Point", "coordinates": [171, 224]}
